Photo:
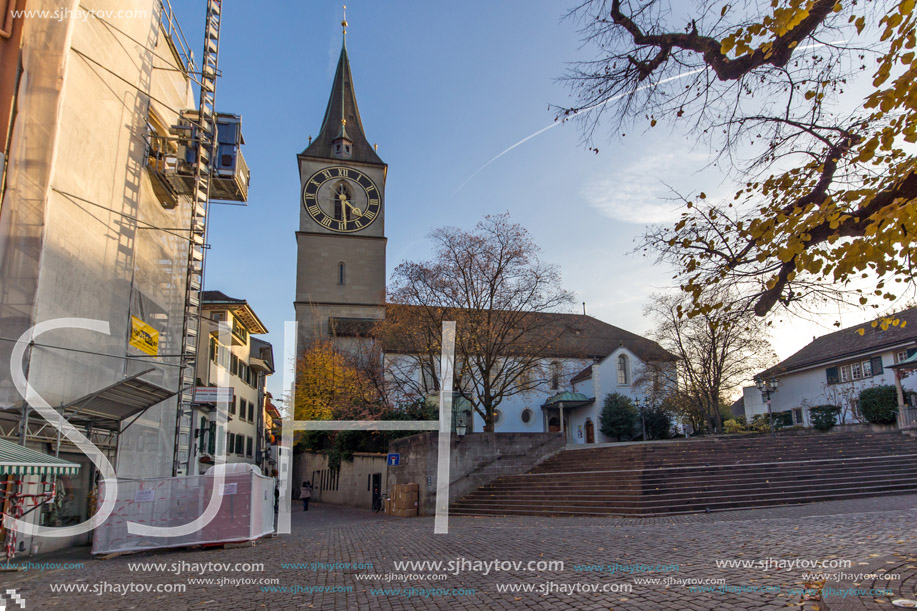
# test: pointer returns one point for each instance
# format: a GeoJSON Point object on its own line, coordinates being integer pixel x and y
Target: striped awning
{"type": "Point", "coordinates": [19, 460]}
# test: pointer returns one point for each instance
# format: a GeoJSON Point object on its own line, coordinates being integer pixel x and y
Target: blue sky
{"type": "Point", "coordinates": [442, 89]}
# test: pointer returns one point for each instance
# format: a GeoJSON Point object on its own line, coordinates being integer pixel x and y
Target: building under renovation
{"type": "Point", "coordinates": [110, 158]}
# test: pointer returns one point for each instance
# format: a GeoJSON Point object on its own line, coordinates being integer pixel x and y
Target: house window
{"type": "Point", "coordinates": [234, 365]}
{"type": "Point", "coordinates": [248, 447]}
{"type": "Point", "coordinates": [230, 443]}
{"type": "Point", "coordinates": [797, 416]}
{"type": "Point", "coordinates": [251, 412]}
{"type": "Point", "coordinates": [341, 273]}
{"type": "Point", "coordinates": [856, 371]}
{"type": "Point", "coordinates": [240, 445]}
{"type": "Point", "coordinates": [844, 373]}
{"type": "Point", "coordinates": [526, 416]}
{"type": "Point", "coordinates": [622, 370]}
{"type": "Point", "coordinates": [867, 369]}
{"type": "Point", "coordinates": [232, 406]}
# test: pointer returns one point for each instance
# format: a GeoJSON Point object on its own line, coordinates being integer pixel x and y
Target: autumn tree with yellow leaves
{"type": "Point", "coordinates": [331, 386]}
{"type": "Point", "coordinates": [811, 105]}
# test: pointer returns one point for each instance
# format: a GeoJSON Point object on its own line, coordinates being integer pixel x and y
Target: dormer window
{"type": "Point", "coordinates": [343, 148]}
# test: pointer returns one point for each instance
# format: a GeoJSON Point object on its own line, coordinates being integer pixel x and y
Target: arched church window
{"type": "Point", "coordinates": [341, 194]}
{"type": "Point", "coordinates": [555, 375]}
{"type": "Point", "coordinates": [623, 377]}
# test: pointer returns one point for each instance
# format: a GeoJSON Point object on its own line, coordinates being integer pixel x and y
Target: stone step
{"type": "Point", "coordinates": [704, 475]}
{"type": "Point", "coordinates": [648, 498]}
{"type": "Point", "coordinates": [671, 476]}
{"type": "Point", "coordinates": [523, 509]}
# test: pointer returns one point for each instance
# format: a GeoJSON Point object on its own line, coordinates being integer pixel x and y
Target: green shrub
{"type": "Point", "coordinates": [761, 422]}
{"type": "Point", "coordinates": [824, 417]}
{"type": "Point", "coordinates": [879, 404]}
{"type": "Point", "coordinates": [733, 426]}
{"type": "Point", "coordinates": [619, 417]}
{"type": "Point", "coordinates": [658, 423]}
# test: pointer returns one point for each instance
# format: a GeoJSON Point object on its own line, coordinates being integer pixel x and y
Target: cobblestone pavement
{"type": "Point", "coordinates": [869, 533]}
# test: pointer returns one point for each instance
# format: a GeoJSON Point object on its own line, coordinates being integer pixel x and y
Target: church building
{"type": "Point", "coordinates": [341, 277]}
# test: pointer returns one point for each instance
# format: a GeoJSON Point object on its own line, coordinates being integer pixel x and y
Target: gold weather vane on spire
{"type": "Point", "coordinates": [344, 20]}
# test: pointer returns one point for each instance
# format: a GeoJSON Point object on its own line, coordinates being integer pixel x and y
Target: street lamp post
{"type": "Point", "coordinates": [643, 405]}
{"type": "Point", "coordinates": [766, 388]}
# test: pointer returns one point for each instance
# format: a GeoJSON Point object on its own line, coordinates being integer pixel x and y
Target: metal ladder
{"type": "Point", "coordinates": [203, 139]}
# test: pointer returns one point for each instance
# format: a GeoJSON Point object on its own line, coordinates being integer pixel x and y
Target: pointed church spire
{"type": "Point", "coordinates": [341, 135]}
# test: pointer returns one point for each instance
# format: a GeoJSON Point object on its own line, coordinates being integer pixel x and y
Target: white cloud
{"type": "Point", "coordinates": [642, 191]}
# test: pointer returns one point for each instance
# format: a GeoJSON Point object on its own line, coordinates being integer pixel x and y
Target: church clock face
{"type": "Point", "coordinates": [341, 199]}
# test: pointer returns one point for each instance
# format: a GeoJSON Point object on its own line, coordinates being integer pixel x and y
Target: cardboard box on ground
{"type": "Point", "coordinates": [403, 502]}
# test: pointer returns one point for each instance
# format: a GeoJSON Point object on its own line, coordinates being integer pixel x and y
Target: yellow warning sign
{"type": "Point", "coordinates": [144, 337]}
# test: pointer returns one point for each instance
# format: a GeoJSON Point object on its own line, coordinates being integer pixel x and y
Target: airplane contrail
{"type": "Point", "coordinates": [602, 103]}
{"type": "Point", "coordinates": [582, 110]}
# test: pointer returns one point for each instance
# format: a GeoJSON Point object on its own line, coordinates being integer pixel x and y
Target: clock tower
{"type": "Point", "coordinates": [340, 266]}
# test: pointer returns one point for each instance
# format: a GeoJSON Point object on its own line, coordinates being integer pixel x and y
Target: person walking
{"type": "Point", "coordinates": [305, 493]}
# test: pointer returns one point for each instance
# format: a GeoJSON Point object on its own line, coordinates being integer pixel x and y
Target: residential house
{"type": "Point", "coordinates": [273, 427]}
{"type": "Point", "coordinates": [834, 368]}
{"type": "Point", "coordinates": [244, 361]}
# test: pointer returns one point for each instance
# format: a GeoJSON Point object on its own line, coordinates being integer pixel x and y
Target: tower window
{"type": "Point", "coordinates": [341, 193]}
{"type": "Point", "coordinates": [341, 270]}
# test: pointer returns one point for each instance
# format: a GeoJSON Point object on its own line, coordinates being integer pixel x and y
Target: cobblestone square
{"type": "Point", "coordinates": [343, 558]}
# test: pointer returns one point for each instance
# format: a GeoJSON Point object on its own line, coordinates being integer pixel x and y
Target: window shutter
{"type": "Point", "coordinates": [202, 432]}
{"type": "Point", "coordinates": [832, 375]}
{"type": "Point", "coordinates": [212, 439]}
{"type": "Point", "coordinates": [911, 352]}
{"type": "Point", "coordinates": [876, 364]}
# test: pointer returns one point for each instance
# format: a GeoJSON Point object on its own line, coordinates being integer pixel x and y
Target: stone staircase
{"type": "Point", "coordinates": [711, 474]}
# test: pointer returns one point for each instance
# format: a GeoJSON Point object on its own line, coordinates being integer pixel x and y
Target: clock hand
{"type": "Point", "coordinates": [354, 210]}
